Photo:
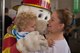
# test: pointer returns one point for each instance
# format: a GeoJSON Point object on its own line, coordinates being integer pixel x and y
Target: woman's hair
{"type": "Point", "coordinates": [66, 17]}
{"type": "Point", "coordinates": [23, 19]}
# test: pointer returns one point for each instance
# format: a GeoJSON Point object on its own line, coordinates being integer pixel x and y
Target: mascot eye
{"type": "Point", "coordinates": [41, 10]}
{"type": "Point", "coordinates": [46, 18]}
{"type": "Point", "coordinates": [40, 15]}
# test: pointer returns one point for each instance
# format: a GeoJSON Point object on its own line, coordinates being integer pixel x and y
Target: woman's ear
{"type": "Point", "coordinates": [62, 26]}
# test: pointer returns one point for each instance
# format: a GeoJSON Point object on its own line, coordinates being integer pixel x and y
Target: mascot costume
{"type": "Point", "coordinates": [34, 41]}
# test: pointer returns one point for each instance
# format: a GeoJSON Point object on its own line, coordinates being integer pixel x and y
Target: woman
{"type": "Point", "coordinates": [59, 23]}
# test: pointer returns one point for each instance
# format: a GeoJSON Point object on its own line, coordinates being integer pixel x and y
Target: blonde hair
{"type": "Point", "coordinates": [23, 19]}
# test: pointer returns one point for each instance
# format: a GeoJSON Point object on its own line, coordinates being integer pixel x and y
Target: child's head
{"type": "Point", "coordinates": [25, 21]}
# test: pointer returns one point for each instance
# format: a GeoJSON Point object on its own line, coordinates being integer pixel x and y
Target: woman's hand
{"type": "Point", "coordinates": [50, 42]}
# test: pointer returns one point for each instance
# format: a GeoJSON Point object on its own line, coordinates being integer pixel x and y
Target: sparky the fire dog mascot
{"type": "Point", "coordinates": [16, 42]}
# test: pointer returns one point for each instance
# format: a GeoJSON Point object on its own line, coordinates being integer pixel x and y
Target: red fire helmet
{"type": "Point", "coordinates": [38, 3]}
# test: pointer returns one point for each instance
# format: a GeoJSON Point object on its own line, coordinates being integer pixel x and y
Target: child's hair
{"type": "Point", "coordinates": [23, 19]}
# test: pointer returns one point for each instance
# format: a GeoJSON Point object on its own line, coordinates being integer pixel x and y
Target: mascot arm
{"type": "Point", "coordinates": [32, 42]}
{"type": "Point", "coordinates": [35, 42]}
{"type": "Point", "coordinates": [9, 44]}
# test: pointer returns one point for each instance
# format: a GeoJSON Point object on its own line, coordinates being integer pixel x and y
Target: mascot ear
{"type": "Point", "coordinates": [41, 26]}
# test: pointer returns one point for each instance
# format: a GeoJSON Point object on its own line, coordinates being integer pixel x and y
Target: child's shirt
{"type": "Point", "coordinates": [19, 35]}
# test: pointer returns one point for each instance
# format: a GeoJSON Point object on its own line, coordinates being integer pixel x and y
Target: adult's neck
{"type": "Point", "coordinates": [55, 36]}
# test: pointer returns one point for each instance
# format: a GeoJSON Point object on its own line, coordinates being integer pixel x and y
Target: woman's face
{"type": "Point", "coordinates": [54, 23]}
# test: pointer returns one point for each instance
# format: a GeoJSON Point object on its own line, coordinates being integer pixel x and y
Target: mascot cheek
{"type": "Point", "coordinates": [41, 26]}
{"type": "Point", "coordinates": [43, 17]}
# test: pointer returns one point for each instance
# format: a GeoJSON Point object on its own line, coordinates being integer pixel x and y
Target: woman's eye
{"type": "Point", "coordinates": [52, 20]}
{"type": "Point", "coordinates": [40, 15]}
{"type": "Point", "coordinates": [33, 26]}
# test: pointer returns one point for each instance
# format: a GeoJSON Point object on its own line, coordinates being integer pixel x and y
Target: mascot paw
{"type": "Point", "coordinates": [20, 47]}
{"type": "Point", "coordinates": [35, 42]}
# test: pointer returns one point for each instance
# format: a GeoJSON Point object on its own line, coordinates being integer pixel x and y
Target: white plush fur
{"type": "Point", "coordinates": [12, 13]}
{"type": "Point", "coordinates": [41, 26]}
{"type": "Point", "coordinates": [32, 42]}
{"type": "Point", "coordinates": [36, 11]}
{"type": "Point", "coordinates": [41, 21]}
{"type": "Point", "coordinates": [20, 46]}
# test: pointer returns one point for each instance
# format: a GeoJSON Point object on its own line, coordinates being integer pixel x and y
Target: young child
{"type": "Point", "coordinates": [24, 23]}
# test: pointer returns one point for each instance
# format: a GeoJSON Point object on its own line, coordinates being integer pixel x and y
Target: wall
{"type": "Point", "coordinates": [56, 4]}
{"type": "Point", "coordinates": [8, 3]}
{"type": "Point", "coordinates": [61, 4]}
{"type": "Point", "coordinates": [0, 7]}
{"type": "Point", "coordinates": [15, 2]}
{"type": "Point", "coordinates": [11, 3]}
{"type": "Point", "coordinates": [65, 4]}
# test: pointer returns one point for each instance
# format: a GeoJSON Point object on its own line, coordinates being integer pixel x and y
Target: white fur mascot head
{"type": "Point", "coordinates": [42, 10]}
